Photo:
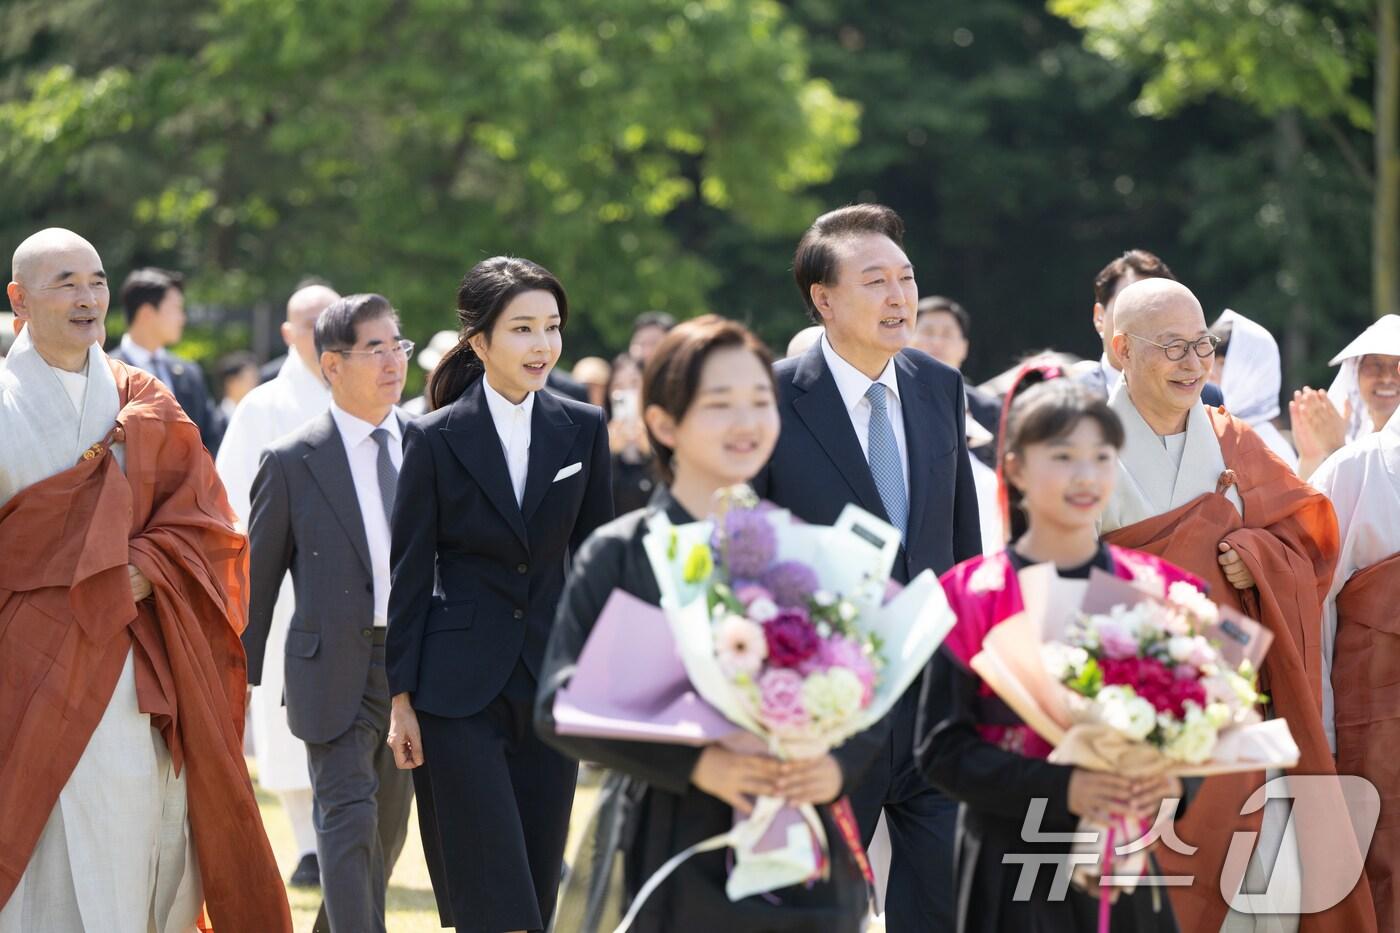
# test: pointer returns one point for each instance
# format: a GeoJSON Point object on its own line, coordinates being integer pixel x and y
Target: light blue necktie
{"type": "Point", "coordinates": [886, 466]}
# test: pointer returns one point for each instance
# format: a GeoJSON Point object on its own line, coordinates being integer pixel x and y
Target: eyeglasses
{"type": "Point", "coordinates": [1176, 350]}
{"type": "Point", "coordinates": [401, 348]}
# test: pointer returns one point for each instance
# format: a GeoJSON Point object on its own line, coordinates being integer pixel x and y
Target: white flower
{"type": "Point", "coordinates": [740, 646]}
{"type": "Point", "coordinates": [1193, 601]}
{"type": "Point", "coordinates": [824, 598]}
{"type": "Point", "coordinates": [990, 577]}
{"type": "Point", "coordinates": [833, 696]}
{"type": "Point", "coordinates": [847, 611]}
{"type": "Point", "coordinates": [762, 609]}
{"type": "Point", "coordinates": [1195, 739]}
{"type": "Point", "coordinates": [1063, 661]}
{"type": "Point", "coordinates": [1218, 715]}
{"type": "Point", "coordinates": [1122, 709]}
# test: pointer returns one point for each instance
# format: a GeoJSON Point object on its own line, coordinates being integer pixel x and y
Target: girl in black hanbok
{"type": "Point", "coordinates": [708, 401]}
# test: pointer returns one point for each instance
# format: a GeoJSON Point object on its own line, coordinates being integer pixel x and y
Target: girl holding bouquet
{"type": "Point", "coordinates": [710, 412]}
{"type": "Point", "coordinates": [1059, 451]}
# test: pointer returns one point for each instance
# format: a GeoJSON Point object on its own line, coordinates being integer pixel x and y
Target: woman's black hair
{"type": "Point", "coordinates": [1043, 407]}
{"type": "Point", "coordinates": [484, 293]}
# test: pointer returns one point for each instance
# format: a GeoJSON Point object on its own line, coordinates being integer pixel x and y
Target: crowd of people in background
{"type": "Point", "coordinates": [467, 535]}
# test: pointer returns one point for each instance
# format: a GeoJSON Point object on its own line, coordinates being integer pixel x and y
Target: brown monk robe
{"type": "Point", "coordinates": [1366, 687]}
{"type": "Point", "coordinates": [67, 623]}
{"type": "Point", "coordinates": [1288, 539]}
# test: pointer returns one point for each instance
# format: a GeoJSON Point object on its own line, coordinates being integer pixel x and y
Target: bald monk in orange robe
{"type": "Point", "coordinates": [125, 804]}
{"type": "Point", "coordinates": [1202, 490]}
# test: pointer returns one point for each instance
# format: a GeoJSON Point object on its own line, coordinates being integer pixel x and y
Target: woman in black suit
{"type": "Point", "coordinates": [710, 410]}
{"type": "Point", "coordinates": [500, 482]}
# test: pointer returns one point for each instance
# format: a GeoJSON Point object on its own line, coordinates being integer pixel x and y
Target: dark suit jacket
{"type": "Point", "coordinates": [818, 466]}
{"type": "Point", "coordinates": [306, 518]}
{"type": "Point", "coordinates": [476, 577]}
{"type": "Point", "coordinates": [191, 392]}
{"type": "Point", "coordinates": [567, 386]}
{"type": "Point", "coordinates": [985, 409]}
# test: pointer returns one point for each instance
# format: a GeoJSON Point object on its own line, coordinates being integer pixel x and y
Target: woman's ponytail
{"type": "Point", "coordinates": [458, 369]}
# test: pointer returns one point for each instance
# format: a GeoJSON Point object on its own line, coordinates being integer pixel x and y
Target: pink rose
{"type": "Point", "coordinates": [1116, 641]}
{"type": "Point", "coordinates": [780, 699]}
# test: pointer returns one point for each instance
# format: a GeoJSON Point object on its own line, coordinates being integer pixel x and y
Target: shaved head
{"type": "Point", "coordinates": [306, 304]}
{"type": "Point", "coordinates": [299, 331]}
{"type": "Point", "coordinates": [35, 251]}
{"type": "Point", "coordinates": [1145, 305]}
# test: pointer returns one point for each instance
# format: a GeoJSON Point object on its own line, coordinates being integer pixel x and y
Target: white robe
{"type": "Point", "coordinates": [1363, 482]}
{"type": "Point", "coordinates": [116, 853]}
{"type": "Point", "coordinates": [1251, 382]}
{"type": "Point", "coordinates": [1149, 484]}
{"type": "Point", "coordinates": [267, 413]}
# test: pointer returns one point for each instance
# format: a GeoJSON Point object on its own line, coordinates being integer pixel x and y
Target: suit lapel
{"type": "Point", "coordinates": [471, 435]}
{"type": "Point", "coordinates": [917, 405]}
{"type": "Point", "coordinates": [823, 411]}
{"type": "Point", "coordinates": [552, 435]}
{"type": "Point", "coordinates": [329, 466]}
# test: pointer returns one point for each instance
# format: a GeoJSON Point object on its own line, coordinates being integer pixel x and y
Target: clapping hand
{"type": "Point", "coordinates": [1318, 428]}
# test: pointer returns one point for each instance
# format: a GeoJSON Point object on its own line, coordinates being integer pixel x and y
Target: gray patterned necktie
{"type": "Point", "coordinates": [388, 475]}
{"type": "Point", "coordinates": [886, 466]}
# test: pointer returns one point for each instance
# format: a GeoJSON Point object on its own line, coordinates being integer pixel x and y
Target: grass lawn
{"type": "Point", "coordinates": [411, 908]}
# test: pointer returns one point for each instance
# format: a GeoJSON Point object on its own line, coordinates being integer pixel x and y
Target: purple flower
{"type": "Point", "coordinates": [791, 582]}
{"type": "Point", "coordinates": [840, 651]}
{"type": "Point", "coordinates": [780, 699]}
{"type": "Point", "coordinates": [749, 545]}
{"type": "Point", "coordinates": [791, 638]}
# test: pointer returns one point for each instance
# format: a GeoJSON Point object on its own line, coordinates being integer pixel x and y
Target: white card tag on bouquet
{"type": "Point", "coordinates": [874, 565]}
{"type": "Point", "coordinates": [1050, 599]}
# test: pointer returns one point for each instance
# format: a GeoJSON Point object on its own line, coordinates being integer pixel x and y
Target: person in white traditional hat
{"type": "Point", "coordinates": [1364, 395]}
{"type": "Point", "coordinates": [427, 359]}
{"type": "Point", "coordinates": [1251, 379]}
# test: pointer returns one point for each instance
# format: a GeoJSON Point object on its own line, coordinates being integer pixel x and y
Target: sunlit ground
{"type": "Point", "coordinates": [411, 908]}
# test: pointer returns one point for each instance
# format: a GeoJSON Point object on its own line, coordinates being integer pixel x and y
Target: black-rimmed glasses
{"type": "Point", "coordinates": [1176, 350]}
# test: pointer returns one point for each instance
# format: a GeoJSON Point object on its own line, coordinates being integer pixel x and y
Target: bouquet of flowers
{"type": "Point", "coordinates": [773, 635]}
{"type": "Point", "coordinates": [1150, 672]}
{"type": "Point", "coordinates": [1137, 679]}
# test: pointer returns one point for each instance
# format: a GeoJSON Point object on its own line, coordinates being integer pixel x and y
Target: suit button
{"type": "Point", "coordinates": [522, 568]}
{"type": "Point", "coordinates": [519, 613]}
{"type": "Point", "coordinates": [367, 632]}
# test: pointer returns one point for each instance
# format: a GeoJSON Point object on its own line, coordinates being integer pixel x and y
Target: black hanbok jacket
{"type": "Point", "coordinates": [666, 813]}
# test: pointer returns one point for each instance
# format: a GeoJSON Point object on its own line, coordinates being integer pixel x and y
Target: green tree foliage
{"type": "Point", "coordinates": [389, 144]}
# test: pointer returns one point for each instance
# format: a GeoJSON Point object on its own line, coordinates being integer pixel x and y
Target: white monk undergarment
{"type": "Point", "coordinates": [116, 853]}
{"type": "Point", "coordinates": [270, 411]}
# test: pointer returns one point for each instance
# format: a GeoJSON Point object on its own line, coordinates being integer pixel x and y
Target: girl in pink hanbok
{"type": "Point", "coordinates": [1059, 450]}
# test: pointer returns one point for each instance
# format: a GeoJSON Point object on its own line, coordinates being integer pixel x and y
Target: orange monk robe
{"type": "Point", "coordinates": [1288, 539]}
{"type": "Point", "coordinates": [1366, 683]}
{"type": "Point", "coordinates": [68, 621]}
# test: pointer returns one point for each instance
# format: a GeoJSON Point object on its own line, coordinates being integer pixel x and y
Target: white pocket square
{"type": "Point", "coordinates": [568, 471]}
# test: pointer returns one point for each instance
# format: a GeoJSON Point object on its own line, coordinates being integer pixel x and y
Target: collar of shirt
{"type": "Point", "coordinates": [1111, 377]}
{"type": "Point", "coordinates": [354, 431]}
{"type": "Point", "coordinates": [138, 354]}
{"type": "Point", "coordinates": [851, 382]}
{"type": "Point", "coordinates": [506, 414]}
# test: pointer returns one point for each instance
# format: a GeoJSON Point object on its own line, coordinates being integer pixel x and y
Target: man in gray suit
{"type": "Point", "coordinates": [320, 508]}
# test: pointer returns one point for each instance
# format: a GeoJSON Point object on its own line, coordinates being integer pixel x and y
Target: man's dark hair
{"type": "Point", "coordinates": [653, 319]}
{"type": "Point", "coordinates": [815, 259]}
{"type": "Point", "coordinates": [1138, 261]}
{"type": "Point", "coordinates": [230, 365]}
{"type": "Point", "coordinates": [335, 328]}
{"type": "Point", "coordinates": [948, 306]}
{"type": "Point", "coordinates": [148, 287]}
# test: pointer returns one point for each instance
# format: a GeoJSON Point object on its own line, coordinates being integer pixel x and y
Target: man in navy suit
{"type": "Point", "coordinates": [866, 420]}
{"type": "Point", "coordinates": [154, 300]}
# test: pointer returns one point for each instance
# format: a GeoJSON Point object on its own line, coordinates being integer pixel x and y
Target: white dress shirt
{"type": "Point", "coordinates": [513, 428]}
{"type": "Point", "coordinates": [363, 453]}
{"type": "Point", "coordinates": [1111, 377]}
{"type": "Point", "coordinates": [853, 384]}
{"type": "Point", "coordinates": [156, 362]}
